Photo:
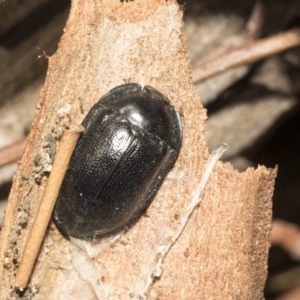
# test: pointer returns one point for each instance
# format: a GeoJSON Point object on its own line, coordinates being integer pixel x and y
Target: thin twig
{"type": "Point", "coordinates": [255, 21]}
{"type": "Point", "coordinates": [66, 147]}
{"type": "Point", "coordinates": [286, 235]}
{"type": "Point", "coordinates": [248, 54]}
{"type": "Point", "coordinates": [13, 152]}
{"type": "Point", "coordinates": [284, 281]}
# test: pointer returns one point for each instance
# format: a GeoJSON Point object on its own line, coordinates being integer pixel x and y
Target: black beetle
{"type": "Point", "coordinates": [131, 140]}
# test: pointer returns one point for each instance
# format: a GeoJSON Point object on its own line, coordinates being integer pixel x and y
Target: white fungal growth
{"type": "Point", "coordinates": [163, 250]}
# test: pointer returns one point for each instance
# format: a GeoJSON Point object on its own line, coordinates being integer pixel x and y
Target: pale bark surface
{"type": "Point", "coordinates": [222, 252]}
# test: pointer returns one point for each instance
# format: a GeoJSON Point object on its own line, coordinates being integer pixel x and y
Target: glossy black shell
{"type": "Point", "coordinates": [131, 140]}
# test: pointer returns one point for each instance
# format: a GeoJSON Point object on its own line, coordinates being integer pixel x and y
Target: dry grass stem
{"type": "Point", "coordinates": [255, 21]}
{"type": "Point", "coordinates": [13, 152]}
{"type": "Point", "coordinates": [287, 235]}
{"type": "Point", "coordinates": [248, 54]}
{"type": "Point", "coordinates": [66, 147]}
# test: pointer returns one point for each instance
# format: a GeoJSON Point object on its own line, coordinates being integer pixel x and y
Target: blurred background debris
{"type": "Point", "coordinates": [245, 59]}
{"type": "Point", "coordinates": [29, 32]}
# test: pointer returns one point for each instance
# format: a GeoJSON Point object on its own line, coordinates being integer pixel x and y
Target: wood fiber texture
{"type": "Point", "coordinates": [222, 252]}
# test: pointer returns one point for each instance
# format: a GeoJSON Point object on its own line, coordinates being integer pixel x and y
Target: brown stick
{"type": "Point", "coordinates": [249, 54]}
{"type": "Point", "coordinates": [66, 147]}
{"type": "Point", "coordinates": [13, 152]}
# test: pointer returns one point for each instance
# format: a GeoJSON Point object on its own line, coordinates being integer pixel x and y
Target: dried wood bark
{"type": "Point", "coordinates": [221, 253]}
